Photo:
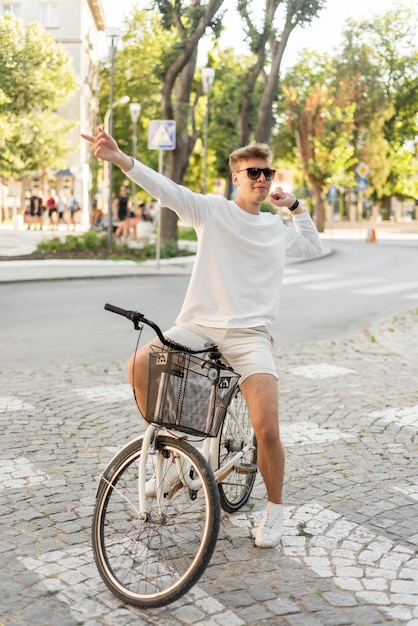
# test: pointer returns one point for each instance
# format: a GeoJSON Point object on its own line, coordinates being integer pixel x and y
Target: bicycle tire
{"type": "Point", "coordinates": [236, 489]}
{"type": "Point", "coordinates": [154, 562]}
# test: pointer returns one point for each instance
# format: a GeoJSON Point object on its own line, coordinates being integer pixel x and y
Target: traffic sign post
{"type": "Point", "coordinates": [161, 136]}
{"type": "Point", "coordinates": [362, 171]}
{"type": "Point", "coordinates": [362, 184]}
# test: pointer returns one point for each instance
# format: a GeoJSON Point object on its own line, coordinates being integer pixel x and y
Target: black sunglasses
{"type": "Point", "coordinates": [254, 173]}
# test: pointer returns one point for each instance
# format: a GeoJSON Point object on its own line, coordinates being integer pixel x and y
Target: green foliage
{"type": "Point", "coordinates": [36, 78]}
{"type": "Point", "coordinates": [92, 244]}
{"type": "Point", "coordinates": [187, 234]}
{"type": "Point", "coordinates": [169, 249]}
{"type": "Point", "coordinates": [381, 53]}
{"type": "Point", "coordinates": [136, 75]}
{"type": "Point", "coordinates": [89, 240]}
{"type": "Point", "coordinates": [359, 105]}
{"type": "Point", "coordinates": [320, 113]}
{"type": "Point", "coordinates": [267, 208]}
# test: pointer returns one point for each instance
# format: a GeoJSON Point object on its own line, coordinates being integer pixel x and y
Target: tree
{"type": "Point", "coordinates": [381, 53]}
{"type": "Point", "coordinates": [320, 112]}
{"type": "Point", "coordinates": [268, 43]}
{"type": "Point", "coordinates": [175, 64]}
{"type": "Point", "coordinates": [136, 74]}
{"type": "Point", "coordinates": [36, 78]}
{"type": "Point", "coordinates": [178, 66]}
{"type": "Point", "coordinates": [228, 91]}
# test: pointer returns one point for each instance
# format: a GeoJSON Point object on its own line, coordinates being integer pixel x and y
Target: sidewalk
{"type": "Point", "coordinates": [24, 242]}
{"type": "Point", "coordinates": [18, 242]}
{"type": "Point", "coordinates": [14, 243]}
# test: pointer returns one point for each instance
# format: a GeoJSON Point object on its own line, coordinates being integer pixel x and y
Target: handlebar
{"type": "Point", "coordinates": [139, 318]}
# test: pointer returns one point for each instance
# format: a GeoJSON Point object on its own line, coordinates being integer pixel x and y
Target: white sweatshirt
{"type": "Point", "coordinates": [237, 275]}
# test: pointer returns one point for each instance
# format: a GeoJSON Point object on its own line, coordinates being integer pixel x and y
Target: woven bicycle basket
{"type": "Point", "coordinates": [188, 393]}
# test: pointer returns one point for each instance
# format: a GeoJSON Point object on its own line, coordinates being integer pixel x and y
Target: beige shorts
{"type": "Point", "coordinates": [247, 350]}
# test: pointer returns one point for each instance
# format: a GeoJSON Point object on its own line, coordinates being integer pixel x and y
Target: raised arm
{"type": "Point", "coordinates": [106, 148]}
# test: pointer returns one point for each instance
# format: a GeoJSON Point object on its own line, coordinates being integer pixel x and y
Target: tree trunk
{"type": "Point", "coordinates": [179, 79]}
{"type": "Point", "coordinates": [246, 106]}
{"type": "Point", "coordinates": [177, 160]}
{"type": "Point", "coordinates": [266, 119]}
{"type": "Point", "coordinates": [319, 205]}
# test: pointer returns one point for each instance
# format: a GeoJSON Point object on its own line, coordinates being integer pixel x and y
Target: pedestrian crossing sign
{"type": "Point", "coordinates": [162, 135]}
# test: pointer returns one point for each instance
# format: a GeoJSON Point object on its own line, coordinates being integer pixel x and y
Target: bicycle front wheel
{"type": "Point", "coordinates": [236, 434]}
{"type": "Point", "coordinates": [151, 560]}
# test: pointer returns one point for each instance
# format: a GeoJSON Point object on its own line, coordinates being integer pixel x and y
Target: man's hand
{"type": "Point", "coordinates": [106, 149]}
{"type": "Point", "coordinates": [282, 199]}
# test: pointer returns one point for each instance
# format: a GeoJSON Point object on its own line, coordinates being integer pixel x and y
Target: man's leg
{"type": "Point", "coordinates": [261, 394]}
{"type": "Point", "coordinates": [138, 373]}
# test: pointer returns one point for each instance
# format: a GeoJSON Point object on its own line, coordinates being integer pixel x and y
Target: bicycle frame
{"type": "Point", "coordinates": [210, 447]}
{"type": "Point", "coordinates": [209, 451]}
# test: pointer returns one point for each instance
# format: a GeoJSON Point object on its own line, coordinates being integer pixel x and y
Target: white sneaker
{"type": "Point", "coordinates": [170, 480]}
{"type": "Point", "coordinates": [269, 532]}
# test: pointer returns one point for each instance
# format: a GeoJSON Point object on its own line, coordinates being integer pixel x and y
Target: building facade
{"type": "Point", "coordinates": [77, 25]}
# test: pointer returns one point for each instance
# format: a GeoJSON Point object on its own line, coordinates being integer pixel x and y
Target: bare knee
{"type": "Point", "coordinates": [267, 432]}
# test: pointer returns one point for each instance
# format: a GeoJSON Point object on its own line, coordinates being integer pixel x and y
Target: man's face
{"type": "Point", "coordinates": [255, 190]}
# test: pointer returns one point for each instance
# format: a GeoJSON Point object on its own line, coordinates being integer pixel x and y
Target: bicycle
{"type": "Point", "coordinates": [150, 549]}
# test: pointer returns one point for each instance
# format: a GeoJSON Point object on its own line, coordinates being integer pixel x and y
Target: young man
{"type": "Point", "coordinates": [234, 291]}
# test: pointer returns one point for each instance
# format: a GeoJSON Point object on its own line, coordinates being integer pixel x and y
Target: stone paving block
{"type": "Point", "coordinates": [348, 554]}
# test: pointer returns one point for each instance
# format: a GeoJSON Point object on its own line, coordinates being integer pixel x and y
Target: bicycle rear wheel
{"type": "Point", "coordinates": [236, 433]}
{"type": "Point", "coordinates": [154, 561]}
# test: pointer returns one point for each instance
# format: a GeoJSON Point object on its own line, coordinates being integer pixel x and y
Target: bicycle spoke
{"type": "Point", "coordinates": [236, 434]}
{"type": "Point", "coordinates": [153, 561]}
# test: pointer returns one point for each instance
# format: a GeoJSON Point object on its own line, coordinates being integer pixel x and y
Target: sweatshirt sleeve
{"type": "Point", "coordinates": [187, 204]}
{"type": "Point", "coordinates": [303, 238]}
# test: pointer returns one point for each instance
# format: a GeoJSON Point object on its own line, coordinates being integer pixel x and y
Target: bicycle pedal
{"type": "Point", "coordinates": [245, 468]}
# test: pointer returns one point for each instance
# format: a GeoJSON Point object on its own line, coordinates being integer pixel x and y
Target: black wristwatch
{"type": "Point", "coordinates": [294, 205]}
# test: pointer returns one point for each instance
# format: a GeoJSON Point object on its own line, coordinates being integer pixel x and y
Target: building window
{"type": "Point", "coordinates": [49, 16]}
{"type": "Point", "coordinates": [12, 7]}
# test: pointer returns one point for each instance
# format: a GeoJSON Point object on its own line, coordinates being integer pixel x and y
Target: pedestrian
{"type": "Point", "coordinates": [143, 225]}
{"type": "Point", "coordinates": [121, 214]}
{"type": "Point", "coordinates": [73, 207]}
{"type": "Point", "coordinates": [36, 210]}
{"type": "Point", "coordinates": [233, 295]}
{"type": "Point", "coordinates": [52, 209]}
{"type": "Point", "coordinates": [62, 207]}
{"type": "Point", "coordinates": [26, 209]}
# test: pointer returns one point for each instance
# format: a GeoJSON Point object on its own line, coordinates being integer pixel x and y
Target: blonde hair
{"type": "Point", "coordinates": [252, 151]}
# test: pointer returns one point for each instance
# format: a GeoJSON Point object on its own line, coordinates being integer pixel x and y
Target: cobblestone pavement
{"type": "Point", "coordinates": [349, 550]}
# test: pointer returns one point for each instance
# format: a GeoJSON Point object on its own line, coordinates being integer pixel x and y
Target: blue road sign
{"type": "Point", "coordinates": [162, 135]}
{"type": "Point", "coordinates": [333, 191]}
{"type": "Point", "coordinates": [362, 184]}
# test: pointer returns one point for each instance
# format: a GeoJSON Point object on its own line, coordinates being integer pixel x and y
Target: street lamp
{"type": "Point", "coordinates": [208, 76]}
{"type": "Point", "coordinates": [123, 100]}
{"type": "Point", "coordinates": [134, 110]}
{"type": "Point", "coordinates": [113, 34]}
{"type": "Point", "coordinates": [108, 170]}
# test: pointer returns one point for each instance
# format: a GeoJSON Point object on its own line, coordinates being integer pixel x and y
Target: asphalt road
{"type": "Point", "coordinates": [54, 322]}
